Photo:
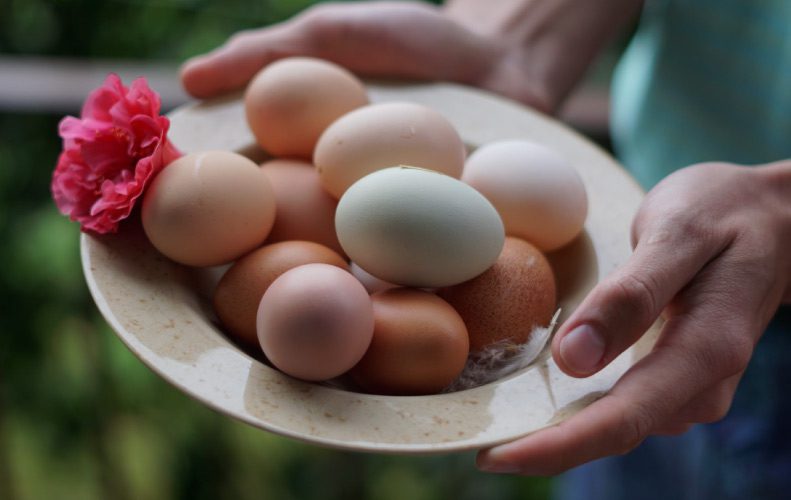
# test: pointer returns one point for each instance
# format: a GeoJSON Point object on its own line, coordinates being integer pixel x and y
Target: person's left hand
{"type": "Point", "coordinates": [712, 250]}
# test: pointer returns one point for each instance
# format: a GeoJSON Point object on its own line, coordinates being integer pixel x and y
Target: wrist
{"type": "Point", "coordinates": [552, 41]}
{"type": "Point", "coordinates": [776, 178]}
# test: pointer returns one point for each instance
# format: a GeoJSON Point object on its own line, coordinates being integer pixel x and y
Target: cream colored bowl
{"type": "Point", "coordinates": [162, 311]}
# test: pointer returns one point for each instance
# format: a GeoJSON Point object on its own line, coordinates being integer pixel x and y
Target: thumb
{"type": "Point", "coordinates": [619, 310]}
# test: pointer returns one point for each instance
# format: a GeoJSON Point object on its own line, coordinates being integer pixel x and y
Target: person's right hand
{"type": "Point", "coordinates": [378, 39]}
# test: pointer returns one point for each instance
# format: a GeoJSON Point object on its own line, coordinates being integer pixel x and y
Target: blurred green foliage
{"type": "Point", "coordinates": [80, 417]}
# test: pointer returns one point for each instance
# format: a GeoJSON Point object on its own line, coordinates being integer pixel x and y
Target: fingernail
{"type": "Point", "coordinates": [495, 460]}
{"type": "Point", "coordinates": [582, 349]}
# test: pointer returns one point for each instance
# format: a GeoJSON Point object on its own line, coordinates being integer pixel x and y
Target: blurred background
{"type": "Point", "coordinates": [80, 416]}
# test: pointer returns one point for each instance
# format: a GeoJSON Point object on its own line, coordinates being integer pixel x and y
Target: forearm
{"type": "Point", "coordinates": [558, 39]}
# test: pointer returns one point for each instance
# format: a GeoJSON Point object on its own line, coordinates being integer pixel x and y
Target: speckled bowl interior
{"type": "Point", "coordinates": [162, 312]}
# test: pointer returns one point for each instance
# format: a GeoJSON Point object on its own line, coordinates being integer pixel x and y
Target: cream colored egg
{"type": "Point", "coordinates": [537, 192]}
{"type": "Point", "coordinates": [290, 102]}
{"type": "Point", "coordinates": [416, 227]}
{"type": "Point", "coordinates": [385, 135]}
{"type": "Point", "coordinates": [208, 208]}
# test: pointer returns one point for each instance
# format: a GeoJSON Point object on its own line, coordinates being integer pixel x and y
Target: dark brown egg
{"type": "Point", "coordinates": [507, 301]}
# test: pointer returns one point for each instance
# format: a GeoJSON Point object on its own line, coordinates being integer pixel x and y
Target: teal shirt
{"type": "Point", "coordinates": [707, 80]}
{"type": "Point", "coordinates": [704, 80]}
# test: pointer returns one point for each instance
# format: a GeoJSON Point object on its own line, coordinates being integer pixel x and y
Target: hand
{"type": "Point", "coordinates": [533, 51]}
{"type": "Point", "coordinates": [711, 251]}
{"type": "Point", "coordinates": [380, 39]}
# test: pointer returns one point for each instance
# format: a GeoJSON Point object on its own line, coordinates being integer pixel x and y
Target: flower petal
{"type": "Point", "coordinates": [111, 154]}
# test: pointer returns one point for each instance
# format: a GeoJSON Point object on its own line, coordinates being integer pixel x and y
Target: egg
{"type": "Point", "coordinates": [420, 228]}
{"type": "Point", "coordinates": [304, 210]}
{"type": "Point", "coordinates": [208, 208]}
{"type": "Point", "coordinates": [239, 291]}
{"type": "Point", "coordinates": [290, 102]}
{"type": "Point", "coordinates": [315, 322]}
{"type": "Point", "coordinates": [385, 135]}
{"type": "Point", "coordinates": [507, 301]}
{"type": "Point", "coordinates": [538, 193]}
{"type": "Point", "coordinates": [419, 345]}
{"type": "Point", "coordinates": [368, 280]}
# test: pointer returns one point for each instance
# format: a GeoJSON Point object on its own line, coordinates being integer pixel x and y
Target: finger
{"type": "Point", "coordinates": [613, 425]}
{"type": "Point", "coordinates": [624, 305]}
{"type": "Point", "coordinates": [713, 404]}
{"type": "Point", "coordinates": [684, 363]}
{"type": "Point", "coordinates": [709, 406]}
{"type": "Point", "coordinates": [673, 429]}
{"type": "Point", "coordinates": [231, 66]}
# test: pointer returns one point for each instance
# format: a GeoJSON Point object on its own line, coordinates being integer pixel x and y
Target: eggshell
{"type": "Point", "coordinates": [208, 208]}
{"type": "Point", "coordinates": [304, 210]}
{"type": "Point", "coordinates": [291, 101]}
{"type": "Point", "coordinates": [385, 135]}
{"type": "Point", "coordinates": [539, 194]}
{"type": "Point", "coordinates": [504, 304]}
{"type": "Point", "coordinates": [419, 345]}
{"type": "Point", "coordinates": [240, 289]}
{"type": "Point", "coordinates": [315, 322]}
{"type": "Point", "coordinates": [415, 227]}
{"type": "Point", "coordinates": [368, 280]}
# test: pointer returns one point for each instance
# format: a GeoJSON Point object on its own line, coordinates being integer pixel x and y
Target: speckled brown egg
{"type": "Point", "coordinates": [239, 292]}
{"type": "Point", "coordinates": [507, 301]}
{"type": "Point", "coordinates": [305, 211]}
{"type": "Point", "coordinates": [419, 345]}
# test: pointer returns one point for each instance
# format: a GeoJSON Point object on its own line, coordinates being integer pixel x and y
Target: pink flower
{"type": "Point", "coordinates": [110, 154]}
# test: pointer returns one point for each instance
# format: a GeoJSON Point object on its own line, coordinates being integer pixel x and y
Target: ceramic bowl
{"type": "Point", "coordinates": [162, 312]}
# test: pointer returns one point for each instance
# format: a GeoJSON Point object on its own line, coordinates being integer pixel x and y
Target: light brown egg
{"type": "Point", "coordinates": [385, 135]}
{"type": "Point", "coordinates": [419, 345]}
{"type": "Point", "coordinates": [315, 322]}
{"type": "Point", "coordinates": [208, 208]}
{"type": "Point", "coordinates": [291, 101]}
{"type": "Point", "coordinates": [305, 211]}
{"type": "Point", "coordinates": [504, 303]}
{"type": "Point", "coordinates": [239, 292]}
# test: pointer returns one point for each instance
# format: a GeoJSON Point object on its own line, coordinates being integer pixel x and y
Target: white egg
{"type": "Point", "coordinates": [416, 227]}
{"type": "Point", "coordinates": [537, 192]}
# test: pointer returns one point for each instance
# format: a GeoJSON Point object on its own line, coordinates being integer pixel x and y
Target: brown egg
{"type": "Point", "coordinates": [419, 346]}
{"type": "Point", "coordinates": [290, 102]}
{"type": "Point", "coordinates": [208, 208]}
{"type": "Point", "coordinates": [304, 210]}
{"type": "Point", "coordinates": [385, 135]}
{"type": "Point", "coordinates": [239, 292]}
{"type": "Point", "coordinates": [315, 322]}
{"type": "Point", "coordinates": [504, 303]}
